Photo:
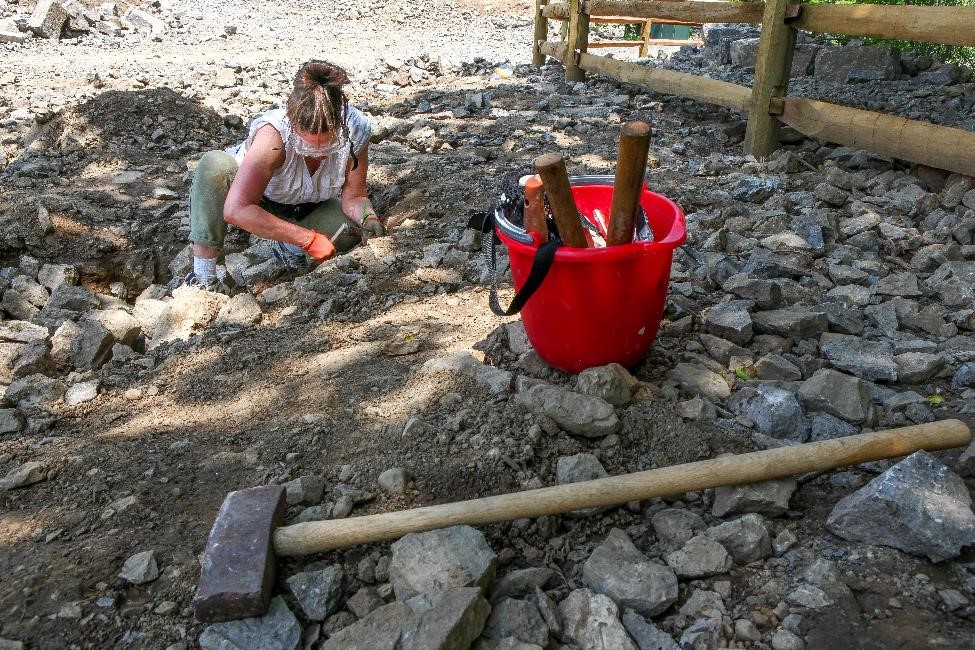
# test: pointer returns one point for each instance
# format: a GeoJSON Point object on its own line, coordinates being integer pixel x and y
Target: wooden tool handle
{"type": "Point", "coordinates": [551, 167]}
{"type": "Point", "coordinates": [631, 165]}
{"type": "Point", "coordinates": [317, 536]}
{"type": "Point", "coordinates": [535, 207]}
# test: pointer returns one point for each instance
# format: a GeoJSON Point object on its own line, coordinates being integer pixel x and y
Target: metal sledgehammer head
{"type": "Point", "coordinates": [238, 563]}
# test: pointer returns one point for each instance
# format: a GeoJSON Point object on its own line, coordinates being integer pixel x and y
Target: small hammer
{"type": "Point", "coordinates": [238, 564]}
{"type": "Point", "coordinates": [551, 167]}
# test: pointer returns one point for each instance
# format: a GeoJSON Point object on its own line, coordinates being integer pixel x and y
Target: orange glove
{"type": "Point", "coordinates": [318, 247]}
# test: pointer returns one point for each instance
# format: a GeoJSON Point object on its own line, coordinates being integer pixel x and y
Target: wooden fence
{"type": "Point", "coordinates": [767, 102]}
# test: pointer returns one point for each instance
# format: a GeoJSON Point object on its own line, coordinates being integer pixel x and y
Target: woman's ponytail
{"type": "Point", "coordinates": [317, 103]}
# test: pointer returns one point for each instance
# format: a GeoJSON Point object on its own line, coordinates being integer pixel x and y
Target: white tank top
{"type": "Point", "coordinates": [291, 183]}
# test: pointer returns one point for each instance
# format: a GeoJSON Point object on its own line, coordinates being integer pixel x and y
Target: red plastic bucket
{"type": "Point", "coordinates": [600, 305]}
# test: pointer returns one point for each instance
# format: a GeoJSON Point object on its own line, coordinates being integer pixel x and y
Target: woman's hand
{"type": "Point", "coordinates": [318, 247]}
{"type": "Point", "coordinates": [371, 225]}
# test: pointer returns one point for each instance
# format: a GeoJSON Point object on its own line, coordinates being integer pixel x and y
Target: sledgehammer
{"type": "Point", "coordinates": [238, 564]}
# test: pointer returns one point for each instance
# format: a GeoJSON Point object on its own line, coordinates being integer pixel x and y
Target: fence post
{"type": "Point", "coordinates": [541, 32]}
{"type": "Point", "coordinates": [578, 39]}
{"type": "Point", "coordinates": [645, 34]}
{"type": "Point", "coordinates": [772, 68]}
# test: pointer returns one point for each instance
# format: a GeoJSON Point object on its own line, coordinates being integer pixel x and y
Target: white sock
{"type": "Point", "coordinates": [205, 269]}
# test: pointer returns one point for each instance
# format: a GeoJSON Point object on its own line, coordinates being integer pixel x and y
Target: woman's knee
{"type": "Point", "coordinates": [215, 168]}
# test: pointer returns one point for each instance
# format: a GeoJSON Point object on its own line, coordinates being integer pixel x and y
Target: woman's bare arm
{"type": "Point", "coordinates": [355, 199]}
{"type": "Point", "coordinates": [242, 207]}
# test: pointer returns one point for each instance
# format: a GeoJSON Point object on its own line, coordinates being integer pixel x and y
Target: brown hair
{"type": "Point", "coordinates": [317, 103]}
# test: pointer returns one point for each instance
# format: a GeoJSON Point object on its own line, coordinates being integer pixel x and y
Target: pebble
{"type": "Point", "coordinates": [140, 568]}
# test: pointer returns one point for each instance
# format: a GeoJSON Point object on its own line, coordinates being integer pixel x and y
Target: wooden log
{"type": "Point", "coordinates": [556, 50]}
{"type": "Point", "coordinates": [578, 40]}
{"type": "Point", "coordinates": [318, 536]}
{"type": "Point", "coordinates": [601, 44]}
{"type": "Point", "coordinates": [551, 167]}
{"type": "Point", "coordinates": [541, 32]}
{"type": "Point", "coordinates": [556, 11]}
{"type": "Point", "coordinates": [772, 66]}
{"type": "Point", "coordinates": [694, 11]}
{"type": "Point", "coordinates": [631, 165]}
{"type": "Point", "coordinates": [691, 86]}
{"type": "Point", "coordinates": [929, 144]}
{"type": "Point", "coordinates": [947, 25]}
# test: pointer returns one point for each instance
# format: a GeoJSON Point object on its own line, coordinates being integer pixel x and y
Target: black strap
{"type": "Point", "coordinates": [542, 262]}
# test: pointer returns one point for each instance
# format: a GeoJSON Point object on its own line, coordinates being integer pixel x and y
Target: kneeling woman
{"type": "Point", "coordinates": [298, 179]}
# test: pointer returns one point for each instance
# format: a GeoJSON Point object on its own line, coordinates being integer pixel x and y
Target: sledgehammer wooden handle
{"type": "Point", "coordinates": [551, 167]}
{"type": "Point", "coordinates": [631, 165]}
{"type": "Point", "coordinates": [313, 537]}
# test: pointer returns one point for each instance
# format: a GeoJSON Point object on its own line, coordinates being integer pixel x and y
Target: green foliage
{"type": "Point", "coordinates": [946, 53]}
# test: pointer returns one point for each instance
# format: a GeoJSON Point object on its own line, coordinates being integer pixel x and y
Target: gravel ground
{"type": "Point", "coordinates": [130, 413]}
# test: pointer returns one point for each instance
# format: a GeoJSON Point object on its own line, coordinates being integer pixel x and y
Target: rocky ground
{"type": "Point", "coordinates": [821, 293]}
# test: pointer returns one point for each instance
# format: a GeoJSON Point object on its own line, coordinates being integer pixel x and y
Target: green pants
{"type": "Point", "coordinates": [211, 182]}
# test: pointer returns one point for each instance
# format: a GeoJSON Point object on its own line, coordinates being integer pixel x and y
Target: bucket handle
{"type": "Point", "coordinates": [541, 263]}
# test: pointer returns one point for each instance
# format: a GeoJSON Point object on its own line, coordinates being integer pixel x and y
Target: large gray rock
{"type": "Point", "coordinates": [794, 323]}
{"type": "Point", "coordinates": [497, 381]}
{"type": "Point", "coordinates": [699, 558]}
{"type": "Point", "coordinates": [955, 283]}
{"type": "Point", "coordinates": [918, 506]}
{"type": "Point", "coordinates": [24, 475]}
{"type": "Point", "coordinates": [382, 629]}
{"type": "Point", "coordinates": [581, 467]}
{"type": "Point", "coordinates": [276, 630]}
{"type": "Point", "coordinates": [11, 421]}
{"type": "Point", "coordinates": [190, 312]}
{"type": "Point", "coordinates": [697, 380]}
{"type": "Point", "coordinates": [617, 569]}
{"type": "Point", "coordinates": [520, 583]}
{"type": "Point", "coordinates": [71, 298]}
{"type": "Point", "coordinates": [54, 275]}
{"type": "Point", "coordinates": [92, 347]}
{"type": "Point", "coordinates": [730, 320]}
{"type": "Point", "coordinates": [647, 635]}
{"type": "Point", "coordinates": [823, 426]}
{"type": "Point", "coordinates": [122, 325]}
{"type": "Point", "coordinates": [319, 593]}
{"type": "Point", "coordinates": [591, 621]}
{"type": "Point", "coordinates": [838, 394]}
{"type": "Point", "coordinates": [870, 360]}
{"type": "Point", "coordinates": [241, 309]}
{"type": "Point", "coordinates": [580, 414]}
{"type": "Point", "coordinates": [48, 19]}
{"type": "Point", "coordinates": [440, 559]}
{"type": "Point", "coordinates": [776, 412]}
{"type": "Point", "coordinates": [519, 619]}
{"type": "Point", "coordinates": [857, 64]}
{"type": "Point", "coordinates": [445, 620]}
{"type": "Point", "coordinates": [612, 383]}
{"type": "Point", "coordinates": [675, 527]}
{"type": "Point", "coordinates": [769, 498]}
{"type": "Point", "coordinates": [718, 39]}
{"type": "Point", "coordinates": [746, 539]}
{"type": "Point", "coordinates": [18, 331]}
{"type": "Point", "coordinates": [34, 391]}
{"type": "Point", "coordinates": [918, 367]}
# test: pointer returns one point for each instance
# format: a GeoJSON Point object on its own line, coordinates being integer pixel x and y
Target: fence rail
{"type": "Point", "coordinates": [766, 102]}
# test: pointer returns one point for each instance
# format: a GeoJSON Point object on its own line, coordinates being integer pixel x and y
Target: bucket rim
{"type": "Point", "coordinates": [525, 242]}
